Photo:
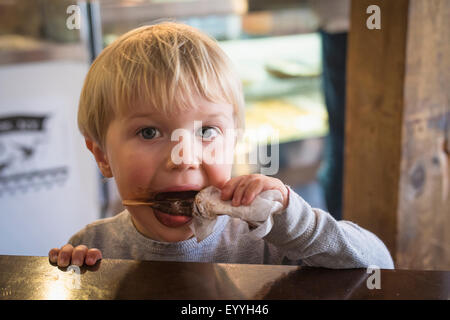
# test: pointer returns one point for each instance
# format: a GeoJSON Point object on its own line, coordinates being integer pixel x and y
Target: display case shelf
{"type": "Point", "coordinates": [114, 11]}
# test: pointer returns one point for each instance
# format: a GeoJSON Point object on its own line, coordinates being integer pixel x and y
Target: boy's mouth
{"type": "Point", "coordinates": [174, 209]}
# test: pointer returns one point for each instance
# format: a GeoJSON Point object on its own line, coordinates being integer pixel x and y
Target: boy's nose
{"type": "Point", "coordinates": [184, 156]}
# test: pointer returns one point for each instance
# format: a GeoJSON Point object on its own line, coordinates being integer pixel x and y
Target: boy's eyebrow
{"type": "Point", "coordinates": [142, 115]}
{"type": "Point", "coordinates": [153, 114]}
{"type": "Point", "coordinates": [219, 115]}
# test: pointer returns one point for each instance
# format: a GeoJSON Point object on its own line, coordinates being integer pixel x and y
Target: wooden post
{"type": "Point", "coordinates": [396, 173]}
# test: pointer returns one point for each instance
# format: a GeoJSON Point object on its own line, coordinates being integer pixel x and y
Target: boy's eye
{"type": "Point", "coordinates": [148, 133]}
{"type": "Point", "coordinates": [209, 133]}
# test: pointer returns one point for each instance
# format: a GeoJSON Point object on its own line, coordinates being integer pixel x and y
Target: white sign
{"type": "Point", "coordinates": [49, 185]}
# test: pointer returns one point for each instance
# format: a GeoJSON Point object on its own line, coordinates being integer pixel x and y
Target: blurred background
{"type": "Point", "coordinates": [50, 185]}
{"type": "Point", "coordinates": [293, 59]}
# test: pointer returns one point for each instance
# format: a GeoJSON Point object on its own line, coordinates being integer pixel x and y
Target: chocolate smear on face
{"type": "Point", "coordinates": [176, 203]}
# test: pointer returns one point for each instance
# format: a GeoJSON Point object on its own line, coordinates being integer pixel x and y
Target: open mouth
{"type": "Point", "coordinates": [179, 203]}
{"type": "Point", "coordinates": [174, 209]}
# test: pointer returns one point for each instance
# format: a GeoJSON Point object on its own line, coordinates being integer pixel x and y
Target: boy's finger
{"type": "Point", "coordinates": [239, 192]}
{"type": "Point", "coordinates": [254, 188]}
{"type": "Point", "coordinates": [92, 256]}
{"type": "Point", "coordinates": [78, 255]}
{"type": "Point", "coordinates": [64, 256]}
{"type": "Point", "coordinates": [53, 255]}
{"type": "Point", "coordinates": [228, 189]}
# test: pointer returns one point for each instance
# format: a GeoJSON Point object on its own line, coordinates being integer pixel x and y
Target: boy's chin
{"type": "Point", "coordinates": [177, 235]}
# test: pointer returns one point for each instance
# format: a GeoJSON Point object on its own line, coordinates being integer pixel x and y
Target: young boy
{"type": "Point", "coordinates": [161, 78]}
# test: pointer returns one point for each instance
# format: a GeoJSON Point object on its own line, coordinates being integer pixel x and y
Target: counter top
{"type": "Point", "coordinates": [27, 277]}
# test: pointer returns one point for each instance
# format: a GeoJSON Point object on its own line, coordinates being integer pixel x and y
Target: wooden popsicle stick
{"type": "Point", "coordinates": [137, 203]}
{"type": "Point", "coordinates": [149, 203]}
{"type": "Point", "coordinates": [176, 207]}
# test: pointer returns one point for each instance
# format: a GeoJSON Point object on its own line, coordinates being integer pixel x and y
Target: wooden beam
{"type": "Point", "coordinates": [424, 205]}
{"type": "Point", "coordinates": [396, 176]}
{"type": "Point", "coordinates": [374, 113]}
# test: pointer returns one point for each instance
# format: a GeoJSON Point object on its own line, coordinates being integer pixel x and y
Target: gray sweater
{"type": "Point", "coordinates": [300, 235]}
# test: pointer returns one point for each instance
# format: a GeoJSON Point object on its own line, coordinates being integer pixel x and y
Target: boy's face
{"type": "Point", "coordinates": [145, 157]}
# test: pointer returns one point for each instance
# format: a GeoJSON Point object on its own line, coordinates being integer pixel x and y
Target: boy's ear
{"type": "Point", "coordinates": [100, 158]}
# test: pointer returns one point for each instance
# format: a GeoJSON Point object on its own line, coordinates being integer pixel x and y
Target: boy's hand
{"type": "Point", "coordinates": [244, 189]}
{"type": "Point", "coordinates": [78, 255]}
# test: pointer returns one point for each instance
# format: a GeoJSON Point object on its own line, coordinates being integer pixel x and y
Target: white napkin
{"type": "Point", "coordinates": [208, 206]}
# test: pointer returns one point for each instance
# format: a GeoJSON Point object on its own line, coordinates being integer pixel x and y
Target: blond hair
{"type": "Point", "coordinates": [165, 65]}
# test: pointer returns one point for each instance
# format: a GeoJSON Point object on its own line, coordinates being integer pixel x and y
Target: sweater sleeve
{"type": "Point", "coordinates": [316, 238]}
{"type": "Point", "coordinates": [77, 238]}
